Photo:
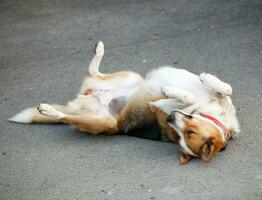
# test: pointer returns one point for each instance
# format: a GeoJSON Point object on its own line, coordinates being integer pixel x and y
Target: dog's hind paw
{"type": "Point", "coordinates": [99, 49]}
{"type": "Point", "coordinates": [49, 111]}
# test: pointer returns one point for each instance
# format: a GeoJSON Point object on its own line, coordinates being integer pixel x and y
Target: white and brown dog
{"type": "Point", "coordinates": [194, 111]}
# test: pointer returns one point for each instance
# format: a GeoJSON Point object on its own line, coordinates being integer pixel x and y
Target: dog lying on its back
{"type": "Point", "coordinates": [194, 111]}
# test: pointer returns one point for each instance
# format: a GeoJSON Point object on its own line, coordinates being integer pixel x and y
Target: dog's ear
{"type": "Point", "coordinates": [152, 106]}
{"type": "Point", "coordinates": [165, 105]}
{"type": "Point", "coordinates": [184, 158]}
{"type": "Point", "coordinates": [207, 150]}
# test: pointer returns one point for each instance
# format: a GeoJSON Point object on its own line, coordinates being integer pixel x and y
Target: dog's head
{"type": "Point", "coordinates": [198, 137]}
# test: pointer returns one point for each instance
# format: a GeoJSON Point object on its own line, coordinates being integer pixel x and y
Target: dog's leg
{"type": "Point", "coordinates": [176, 98]}
{"type": "Point", "coordinates": [215, 85]}
{"type": "Point", "coordinates": [93, 69]}
{"type": "Point", "coordinates": [178, 94]}
{"type": "Point", "coordinates": [92, 124]}
{"type": "Point", "coordinates": [94, 65]}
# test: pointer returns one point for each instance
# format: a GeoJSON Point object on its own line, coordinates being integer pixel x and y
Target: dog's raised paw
{"type": "Point", "coordinates": [215, 84]}
{"type": "Point", "coordinates": [99, 49]}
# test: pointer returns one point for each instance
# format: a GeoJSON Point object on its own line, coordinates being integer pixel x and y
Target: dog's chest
{"type": "Point", "coordinates": [178, 78]}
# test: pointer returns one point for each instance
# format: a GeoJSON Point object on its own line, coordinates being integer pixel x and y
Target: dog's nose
{"type": "Point", "coordinates": [170, 118]}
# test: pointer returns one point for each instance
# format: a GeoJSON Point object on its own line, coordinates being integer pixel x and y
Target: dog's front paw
{"type": "Point", "coordinates": [178, 94]}
{"type": "Point", "coordinates": [99, 49]}
{"type": "Point", "coordinates": [209, 80]}
{"type": "Point", "coordinates": [49, 111]}
{"type": "Point", "coordinates": [215, 84]}
{"type": "Point", "coordinates": [167, 91]}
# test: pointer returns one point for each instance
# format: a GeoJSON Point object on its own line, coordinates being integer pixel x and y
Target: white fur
{"type": "Point", "coordinates": [180, 79]}
{"type": "Point", "coordinates": [23, 117]}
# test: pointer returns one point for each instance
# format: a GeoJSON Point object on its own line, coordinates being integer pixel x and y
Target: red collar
{"type": "Point", "coordinates": [218, 123]}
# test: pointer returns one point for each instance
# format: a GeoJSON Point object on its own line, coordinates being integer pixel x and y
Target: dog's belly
{"type": "Point", "coordinates": [111, 101]}
{"type": "Point", "coordinates": [101, 102]}
{"type": "Point", "coordinates": [102, 97]}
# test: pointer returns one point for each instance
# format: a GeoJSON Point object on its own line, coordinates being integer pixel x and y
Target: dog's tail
{"type": "Point", "coordinates": [94, 65]}
{"type": "Point", "coordinates": [32, 115]}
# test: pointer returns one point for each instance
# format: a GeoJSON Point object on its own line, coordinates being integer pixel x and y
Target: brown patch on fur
{"type": "Point", "coordinates": [95, 125]}
{"type": "Point", "coordinates": [136, 112]}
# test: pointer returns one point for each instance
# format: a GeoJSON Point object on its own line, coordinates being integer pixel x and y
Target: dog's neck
{"type": "Point", "coordinates": [218, 123]}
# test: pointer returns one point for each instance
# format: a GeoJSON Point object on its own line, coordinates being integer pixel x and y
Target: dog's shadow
{"type": "Point", "coordinates": [145, 139]}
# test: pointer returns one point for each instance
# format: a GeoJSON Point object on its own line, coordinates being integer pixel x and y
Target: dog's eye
{"type": "Point", "coordinates": [190, 132]}
{"type": "Point", "coordinates": [189, 116]}
{"type": "Point", "coordinates": [224, 148]}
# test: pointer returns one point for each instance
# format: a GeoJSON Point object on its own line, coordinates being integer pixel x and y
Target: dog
{"type": "Point", "coordinates": [196, 112]}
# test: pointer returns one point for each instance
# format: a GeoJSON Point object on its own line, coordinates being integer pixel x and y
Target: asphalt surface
{"type": "Point", "coordinates": [45, 48]}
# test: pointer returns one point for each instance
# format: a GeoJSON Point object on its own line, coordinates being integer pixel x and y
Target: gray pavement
{"type": "Point", "coordinates": [45, 48]}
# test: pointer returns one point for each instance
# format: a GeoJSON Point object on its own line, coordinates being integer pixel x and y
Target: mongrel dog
{"type": "Point", "coordinates": [194, 111]}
